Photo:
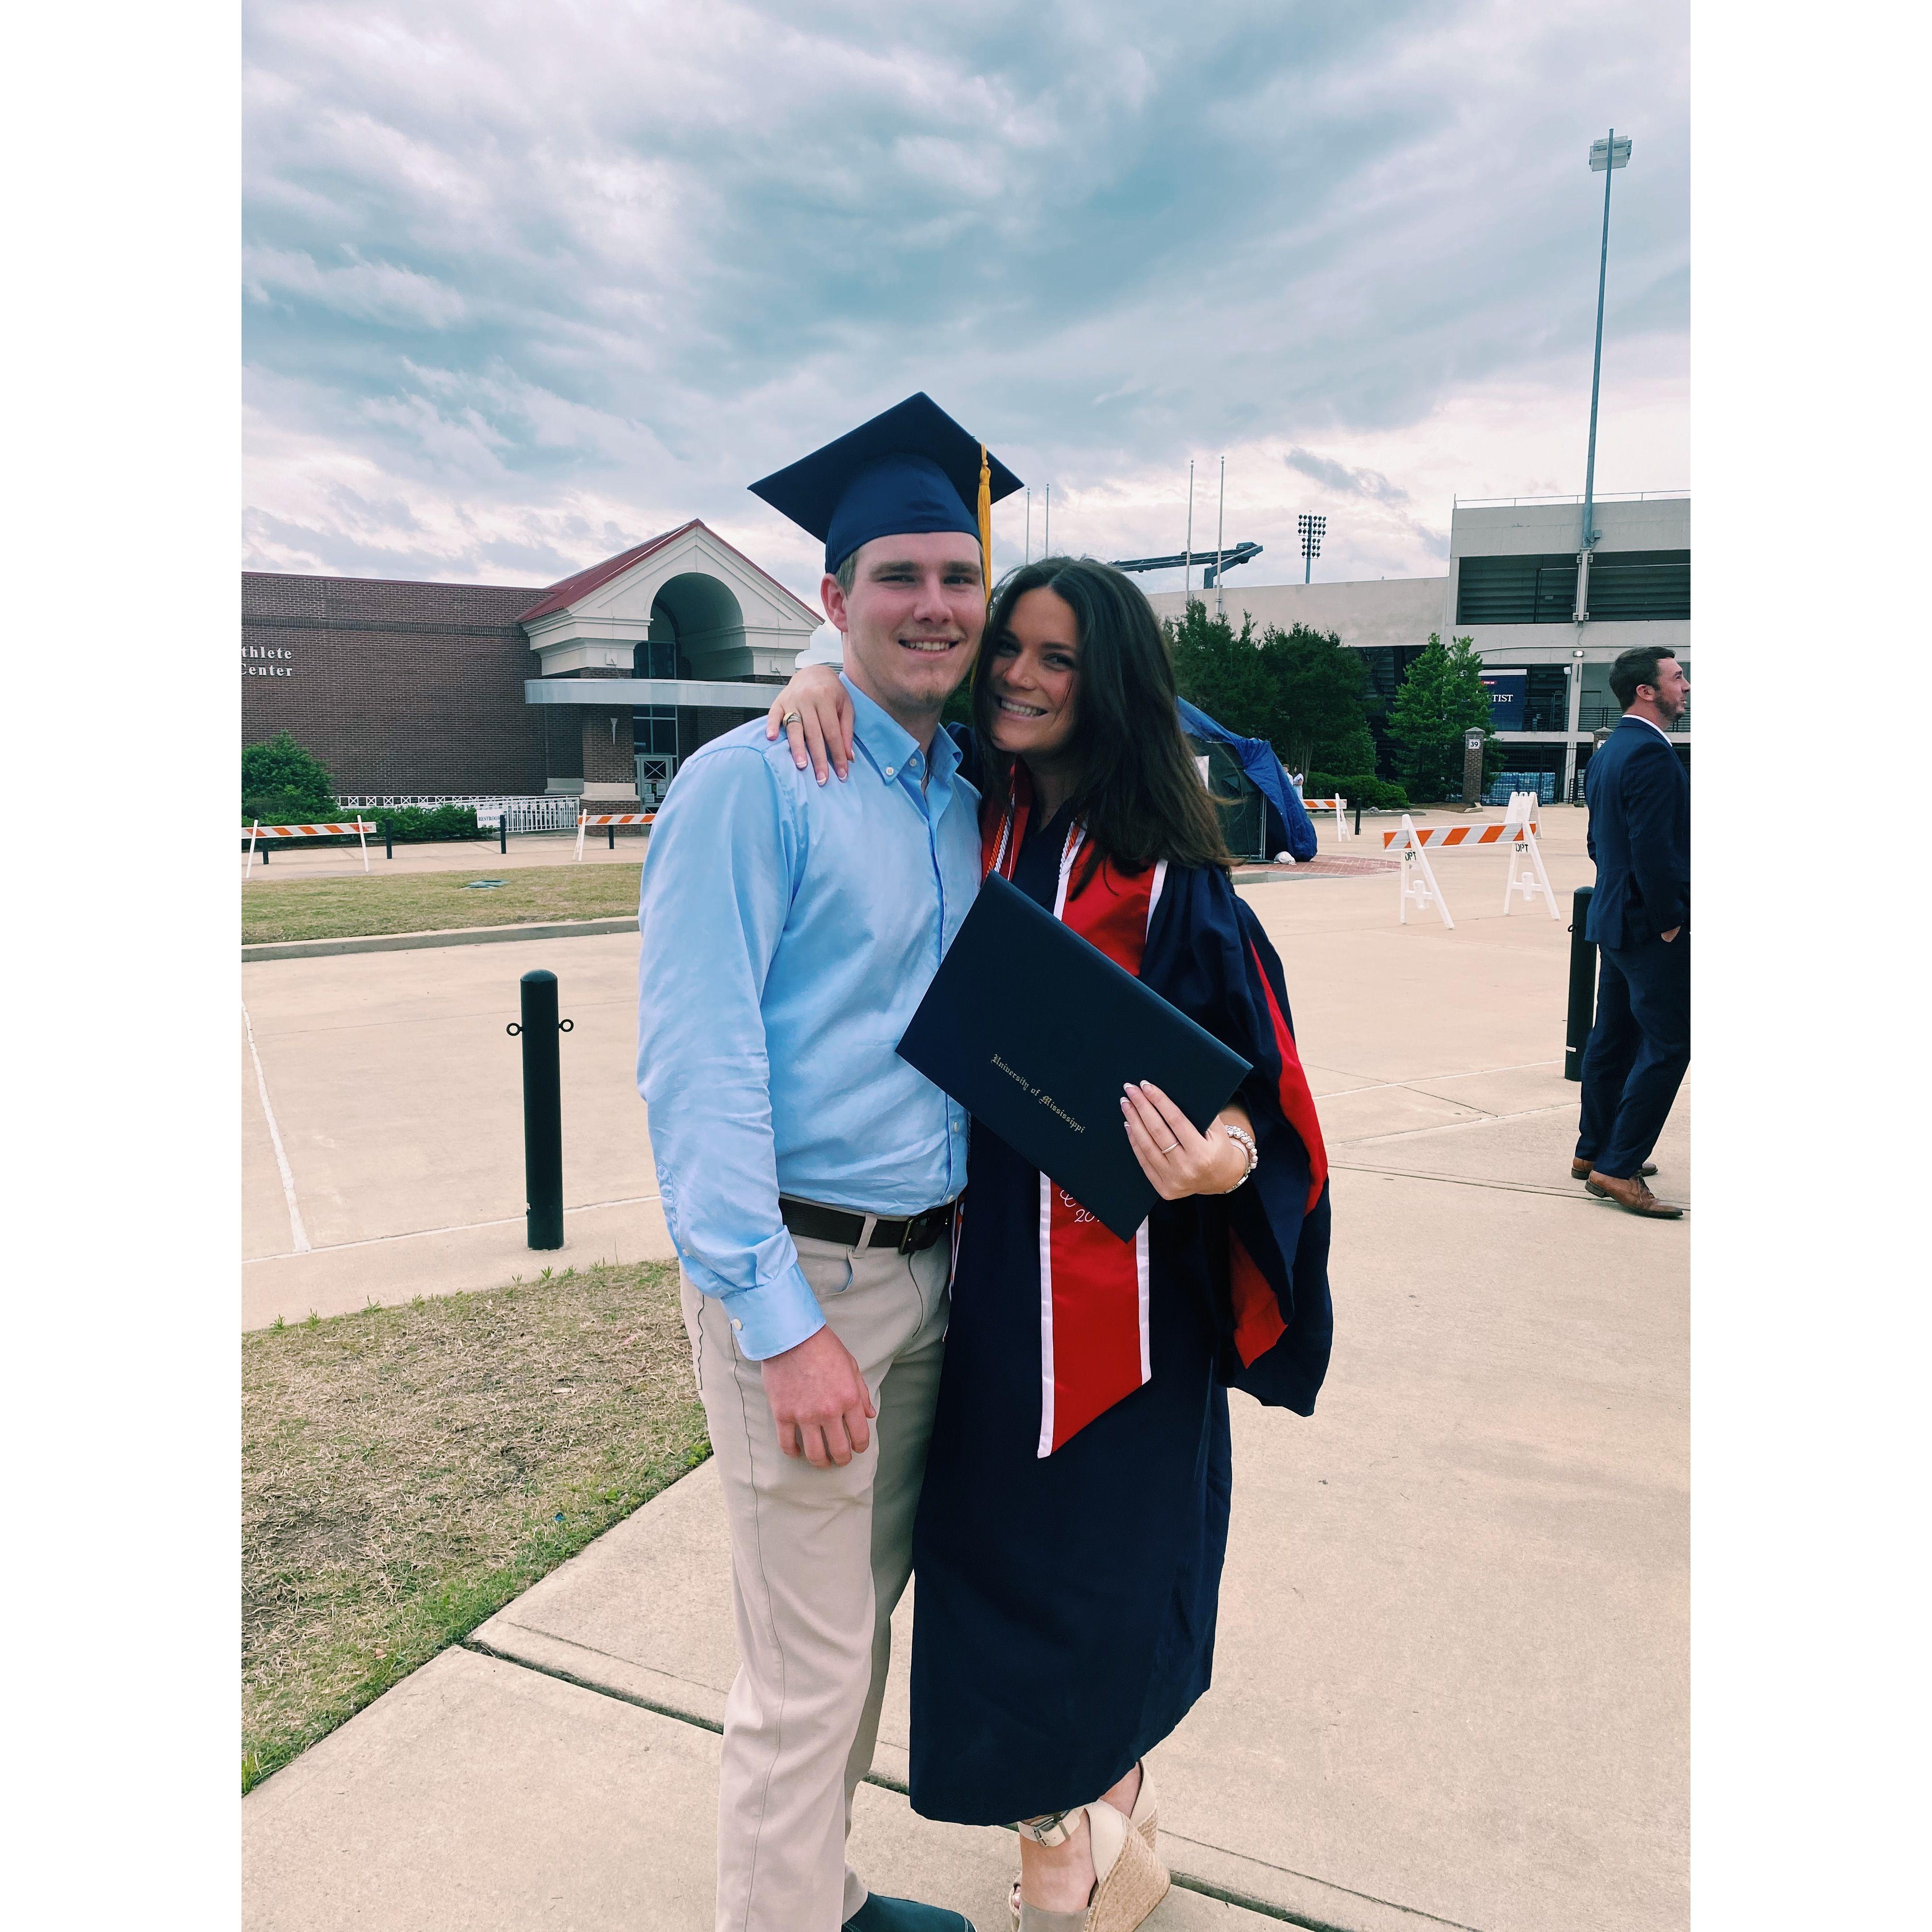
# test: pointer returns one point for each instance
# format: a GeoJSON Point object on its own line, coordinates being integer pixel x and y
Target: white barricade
{"type": "Point", "coordinates": [586, 819]}
{"type": "Point", "coordinates": [1526, 873]}
{"type": "Point", "coordinates": [1339, 806]}
{"type": "Point", "coordinates": [1518, 831]}
{"type": "Point", "coordinates": [356, 828]}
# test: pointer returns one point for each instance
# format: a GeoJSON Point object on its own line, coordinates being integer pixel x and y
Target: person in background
{"type": "Point", "coordinates": [1639, 835]}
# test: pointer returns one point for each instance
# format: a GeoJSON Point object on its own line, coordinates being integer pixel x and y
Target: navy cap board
{"type": "Point", "coordinates": [912, 469]}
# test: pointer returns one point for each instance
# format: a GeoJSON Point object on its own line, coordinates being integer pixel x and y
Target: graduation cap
{"type": "Point", "coordinates": [911, 470]}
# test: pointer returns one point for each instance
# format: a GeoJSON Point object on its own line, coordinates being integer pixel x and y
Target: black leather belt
{"type": "Point", "coordinates": [865, 1231]}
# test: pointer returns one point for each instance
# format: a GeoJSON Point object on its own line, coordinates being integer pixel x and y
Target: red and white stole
{"type": "Point", "coordinates": [1094, 1348]}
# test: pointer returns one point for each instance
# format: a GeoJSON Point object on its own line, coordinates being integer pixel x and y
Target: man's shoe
{"type": "Point", "coordinates": [1582, 1170]}
{"type": "Point", "coordinates": [1632, 1196]}
{"type": "Point", "coordinates": [905, 1914]}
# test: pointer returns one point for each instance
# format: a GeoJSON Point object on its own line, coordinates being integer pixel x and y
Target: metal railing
{"type": "Point", "coordinates": [1601, 496]}
{"type": "Point", "coordinates": [1602, 717]}
{"type": "Point", "coordinates": [550, 813]}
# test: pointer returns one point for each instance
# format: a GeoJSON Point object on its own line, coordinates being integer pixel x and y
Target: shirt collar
{"type": "Point", "coordinates": [888, 745]}
{"type": "Point", "coordinates": [1632, 717]}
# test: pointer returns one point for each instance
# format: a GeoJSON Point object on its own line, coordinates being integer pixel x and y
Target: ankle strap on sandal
{"type": "Point", "coordinates": [1052, 1827]}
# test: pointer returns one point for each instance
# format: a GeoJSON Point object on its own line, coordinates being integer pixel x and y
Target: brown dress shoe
{"type": "Point", "coordinates": [1581, 1170]}
{"type": "Point", "coordinates": [1632, 1196]}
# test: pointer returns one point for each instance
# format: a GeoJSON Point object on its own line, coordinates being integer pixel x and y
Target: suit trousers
{"type": "Point", "coordinates": [1639, 1052]}
{"type": "Point", "coordinates": [819, 1558]}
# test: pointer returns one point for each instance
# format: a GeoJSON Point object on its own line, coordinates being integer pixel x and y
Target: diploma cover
{"type": "Point", "coordinates": [1037, 1032]}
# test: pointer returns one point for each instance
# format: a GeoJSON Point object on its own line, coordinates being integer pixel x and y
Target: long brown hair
{"type": "Point", "coordinates": [1136, 789]}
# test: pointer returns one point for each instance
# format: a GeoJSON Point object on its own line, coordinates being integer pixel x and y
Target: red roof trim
{"type": "Point", "coordinates": [560, 596]}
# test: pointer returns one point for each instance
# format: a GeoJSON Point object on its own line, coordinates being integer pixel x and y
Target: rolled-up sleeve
{"type": "Point", "coordinates": [725, 855]}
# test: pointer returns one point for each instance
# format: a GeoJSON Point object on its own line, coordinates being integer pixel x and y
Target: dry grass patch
{"type": "Point", "coordinates": [359, 907]}
{"type": "Point", "coordinates": [407, 1471]}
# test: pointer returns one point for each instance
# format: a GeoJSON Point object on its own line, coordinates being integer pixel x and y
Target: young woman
{"type": "Point", "coordinates": [1074, 1517]}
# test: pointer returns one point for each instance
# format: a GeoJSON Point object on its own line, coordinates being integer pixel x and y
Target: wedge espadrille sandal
{"type": "Point", "coordinates": [1145, 1818]}
{"type": "Point", "coordinates": [1130, 1879]}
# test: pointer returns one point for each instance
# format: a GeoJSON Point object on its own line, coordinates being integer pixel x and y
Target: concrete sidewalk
{"type": "Point", "coordinates": [1450, 1684]}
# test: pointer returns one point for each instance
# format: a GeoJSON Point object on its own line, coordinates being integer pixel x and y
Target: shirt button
{"type": "Point", "coordinates": [736, 1323]}
{"type": "Point", "coordinates": [888, 771]}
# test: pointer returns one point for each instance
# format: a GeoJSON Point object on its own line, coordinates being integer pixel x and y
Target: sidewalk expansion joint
{"type": "Point", "coordinates": [1470, 1180]}
{"type": "Point", "coordinates": [1243, 1901]}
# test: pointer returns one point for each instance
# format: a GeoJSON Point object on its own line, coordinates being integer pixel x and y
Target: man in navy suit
{"type": "Point", "coordinates": [1640, 798]}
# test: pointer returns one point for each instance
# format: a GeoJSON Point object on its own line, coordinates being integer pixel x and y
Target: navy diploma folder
{"type": "Point", "coordinates": [1035, 1032]}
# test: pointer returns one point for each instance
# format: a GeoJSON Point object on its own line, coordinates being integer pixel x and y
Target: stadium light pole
{"type": "Point", "coordinates": [1311, 529]}
{"type": "Point", "coordinates": [1606, 156]}
{"type": "Point", "coordinates": [1187, 549]}
{"type": "Point", "coordinates": [1220, 531]}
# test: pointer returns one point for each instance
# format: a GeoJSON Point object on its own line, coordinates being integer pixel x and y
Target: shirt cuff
{"type": "Point", "coordinates": [776, 1315]}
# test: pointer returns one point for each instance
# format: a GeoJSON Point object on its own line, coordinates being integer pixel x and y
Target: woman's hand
{"type": "Point", "coordinates": [822, 729]}
{"type": "Point", "coordinates": [1178, 1159]}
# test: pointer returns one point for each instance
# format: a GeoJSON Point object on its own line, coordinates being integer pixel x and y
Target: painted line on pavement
{"type": "Point", "coordinates": [297, 1232]}
{"type": "Point", "coordinates": [421, 1233]}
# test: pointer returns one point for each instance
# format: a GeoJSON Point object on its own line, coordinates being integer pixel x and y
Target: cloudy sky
{"type": "Point", "coordinates": [526, 282]}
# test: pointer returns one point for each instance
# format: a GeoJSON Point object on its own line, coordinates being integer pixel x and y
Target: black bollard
{"type": "Point", "coordinates": [613, 831]}
{"type": "Point", "coordinates": [1583, 986]}
{"type": "Point", "coordinates": [503, 830]}
{"type": "Point", "coordinates": [1358, 818]}
{"type": "Point", "coordinates": [388, 839]}
{"type": "Point", "coordinates": [543, 1112]}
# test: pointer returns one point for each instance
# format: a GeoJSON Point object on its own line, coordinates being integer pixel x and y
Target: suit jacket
{"type": "Point", "coordinates": [1639, 798]}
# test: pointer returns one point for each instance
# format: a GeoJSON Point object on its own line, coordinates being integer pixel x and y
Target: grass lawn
{"type": "Point", "coordinates": [359, 906]}
{"type": "Point", "coordinates": [407, 1471]}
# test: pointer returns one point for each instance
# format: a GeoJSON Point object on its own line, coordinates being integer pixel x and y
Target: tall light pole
{"type": "Point", "coordinates": [1187, 549]}
{"type": "Point", "coordinates": [1606, 156]}
{"type": "Point", "coordinates": [1220, 531]}
{"type": "Point", "coordinates": [1312, 530]}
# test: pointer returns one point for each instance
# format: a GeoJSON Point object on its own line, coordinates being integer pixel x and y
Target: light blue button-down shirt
{"type": "Point", "coordinates": [789, 932]}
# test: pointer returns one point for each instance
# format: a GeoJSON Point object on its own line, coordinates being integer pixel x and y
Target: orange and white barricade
{"type": "Point", "coordinates": [1518, 831]}
{"type": "Point", "coordinates": [355, 828]}
{"type": "Point", "coordinates": [585, 820]}
{"type": "Point", "coordinates": [1339, 806]}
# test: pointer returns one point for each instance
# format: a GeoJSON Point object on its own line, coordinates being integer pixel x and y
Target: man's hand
{"type": "Point", "coordinates": [1668, 936]}
{"type": "Point", "coordinates": [822, 732]}
{"type": "Point", "coordinates": [819, 1400]}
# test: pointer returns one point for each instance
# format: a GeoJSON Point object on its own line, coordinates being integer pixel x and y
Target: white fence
{"type": "Point", "coordinates": [553, 813]}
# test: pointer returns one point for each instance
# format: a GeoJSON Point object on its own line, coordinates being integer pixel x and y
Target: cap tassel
{"type": "Point", "coordinates": [986, 521]}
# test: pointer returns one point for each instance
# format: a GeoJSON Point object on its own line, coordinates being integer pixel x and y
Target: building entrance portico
{"type": "Point", "coordinates": [651, 653]}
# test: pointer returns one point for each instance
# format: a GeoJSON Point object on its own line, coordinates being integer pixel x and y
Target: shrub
{"type": "Point", "coordinates": [1372, 794]}
{"type": "Point", "coordinates": [416, 824]}
{"type": "Point", "coordinates": [284, 783]}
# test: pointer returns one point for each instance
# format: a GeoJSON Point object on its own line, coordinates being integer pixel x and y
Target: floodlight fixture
{"type": "Point", "coordinates": [1311, 530]}
{"type": "Point", "coordinates": [1612, 152]}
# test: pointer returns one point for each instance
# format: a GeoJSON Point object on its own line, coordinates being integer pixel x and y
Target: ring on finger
{"type": "Point", "coordinates": [791, 718]}
{"type": "Point", "coordinates": [1170, 1147]}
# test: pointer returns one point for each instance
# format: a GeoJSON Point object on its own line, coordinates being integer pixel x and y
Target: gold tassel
{"type": "Point", "coordinates": [986, 521]}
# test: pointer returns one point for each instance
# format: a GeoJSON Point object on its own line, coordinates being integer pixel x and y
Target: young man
{"type": "Point", "coordinates": [808, 1173]}
{"type": "Point", "coordinates": [1639, 836]}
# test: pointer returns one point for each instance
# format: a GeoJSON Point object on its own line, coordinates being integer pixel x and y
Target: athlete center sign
{"type": "Point", "coordinates": [267, 661]}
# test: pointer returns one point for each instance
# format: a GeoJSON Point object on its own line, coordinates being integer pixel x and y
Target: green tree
{"type": "Point", "coordinates": [1321, 689]}
{"type": "Point", "coordinates": [283, 781]}
{"type": "Point", "coordinates": [1441, 697]}
{"type": "Point", "coordinates": [1221, 671]}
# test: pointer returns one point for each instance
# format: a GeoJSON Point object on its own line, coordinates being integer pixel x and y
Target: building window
{"type": "Point", "coordinates": [654, 728]}
{"type": "Point", "coordinates": [1626, 586]}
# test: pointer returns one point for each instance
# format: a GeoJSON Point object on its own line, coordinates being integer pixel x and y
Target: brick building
{"type": "Point", "coordinates": [592, 688]}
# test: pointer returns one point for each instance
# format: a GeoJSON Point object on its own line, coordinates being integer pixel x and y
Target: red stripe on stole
{"type": "Point", "coordinates": [1096, 1275]}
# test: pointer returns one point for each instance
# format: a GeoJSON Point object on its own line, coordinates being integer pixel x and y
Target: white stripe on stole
{"type": "Point", "coordinates": [1045, 1317]}
{"type": "Point", "coordinates": [1141, 1232]}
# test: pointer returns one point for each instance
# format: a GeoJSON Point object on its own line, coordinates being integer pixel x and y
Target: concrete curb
{"type": "Point", "coordinates": [406, 942]}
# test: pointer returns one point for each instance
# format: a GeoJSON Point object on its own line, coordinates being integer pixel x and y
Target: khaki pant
{"type": "Point", "coordinates": [819, 1558]}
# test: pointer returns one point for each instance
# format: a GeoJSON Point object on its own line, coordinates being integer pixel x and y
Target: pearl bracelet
{"type": "Point", "coordinates": [1246, 1141]}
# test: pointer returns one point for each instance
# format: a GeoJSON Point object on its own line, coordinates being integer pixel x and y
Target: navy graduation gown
{"type": "Point", "coordinates": [1065, 1607]}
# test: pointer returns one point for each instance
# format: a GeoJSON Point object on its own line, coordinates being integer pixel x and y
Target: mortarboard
{"type": "Point", "coordinates": [912, 469]}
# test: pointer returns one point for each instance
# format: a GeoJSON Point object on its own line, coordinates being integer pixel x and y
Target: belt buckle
{"type": "Point", "coordinates": [913, 1224]}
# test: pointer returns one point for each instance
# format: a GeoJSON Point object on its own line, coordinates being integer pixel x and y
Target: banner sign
{"type": "Point", "coordinates": [1509, 699]}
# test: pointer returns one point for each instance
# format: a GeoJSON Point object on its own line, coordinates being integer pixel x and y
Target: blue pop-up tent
{"type": "Point", "coordinates": [1289, 827]}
